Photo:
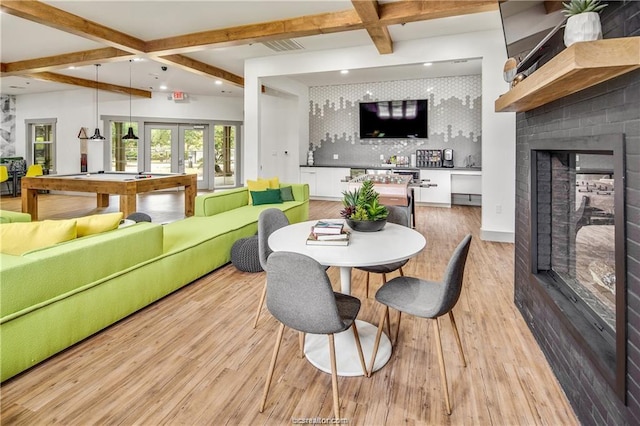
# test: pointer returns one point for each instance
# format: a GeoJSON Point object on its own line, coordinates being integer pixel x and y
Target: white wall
{"type": "Point", "coordinates": [498, 129]}
{"type": "Point", "coordinates": [74, 109]}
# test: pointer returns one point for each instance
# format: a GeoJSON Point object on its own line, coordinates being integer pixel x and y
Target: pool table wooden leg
{"type": "Point", "coordinates": [102, 200]}
{"type": "Point", "coordinates": [190, 192]}
{"type": "Point", "coordinates": [128, 204]}
{"type": "Point", "coordinates": [30, 202]}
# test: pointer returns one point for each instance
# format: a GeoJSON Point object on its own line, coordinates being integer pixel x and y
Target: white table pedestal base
{"type": "Point", "coordinates": [316, 349]}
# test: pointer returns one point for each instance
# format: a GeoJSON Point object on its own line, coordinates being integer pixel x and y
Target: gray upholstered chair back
{"type": "Point", "coordinates": [269, 221]}
{"type": "Point", "coordinates": [299, 294]}
{"type": "Point", "coordinates": [453, 276]}
{"type": "Point", "coordinates": [398, 215]}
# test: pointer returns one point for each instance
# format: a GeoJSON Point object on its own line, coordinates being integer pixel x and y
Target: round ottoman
{"type": "Point", "coordinates": [244, 254]}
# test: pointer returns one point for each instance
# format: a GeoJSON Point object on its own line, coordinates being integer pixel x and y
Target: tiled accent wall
{"type": "Point", "coordinates": [455, 120]}
{"type": "Point", "coordinates": [8, 126]}
{"type": "Point", "coordinates": [608, 108]}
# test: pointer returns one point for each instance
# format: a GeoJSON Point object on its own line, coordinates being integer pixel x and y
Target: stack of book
{"type": "Point", "coordinates": [327, 233]}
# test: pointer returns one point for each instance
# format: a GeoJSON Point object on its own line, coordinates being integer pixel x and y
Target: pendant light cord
{"type": "Point", "coordinates": [97, 65]}
{"type": "Point", "coordinates": [130, 60]}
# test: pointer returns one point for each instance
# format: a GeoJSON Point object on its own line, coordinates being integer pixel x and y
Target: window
{"type": "Point", "coordinates": [124, 152]}
{"type": "Point", "coordinates": [41, 147]}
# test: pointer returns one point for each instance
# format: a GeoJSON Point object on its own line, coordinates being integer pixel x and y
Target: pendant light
{"type": "Point", "coordinates": [97, 135]}
{"type": "Point", "coordinates": [130, 134]}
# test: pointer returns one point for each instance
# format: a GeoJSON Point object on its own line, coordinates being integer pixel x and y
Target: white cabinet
{"type": "Point", "coordinates": [325, 182]}
{"type": "Point", "coordinates": [435, 187]}
{"type": "Point", "coordinates": [466, 187]}
{"type": "Point", "coordinates": [466, 183]}
{"type": "Point", "coordinates": [308, 176]}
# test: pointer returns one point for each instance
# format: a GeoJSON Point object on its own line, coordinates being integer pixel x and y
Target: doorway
{"type": "Point", "coordinates": [177, 148]}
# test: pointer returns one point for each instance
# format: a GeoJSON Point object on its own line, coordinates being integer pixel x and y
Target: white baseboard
{"type": "Point", "coordinates": [497, 236]}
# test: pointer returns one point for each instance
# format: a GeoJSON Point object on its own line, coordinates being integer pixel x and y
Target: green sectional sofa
{"type": "Point", "coordinates": [7, 216]}
{"type": "Point", "coordinates": [52, 298]}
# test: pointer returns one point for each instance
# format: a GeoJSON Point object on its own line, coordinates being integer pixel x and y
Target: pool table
{"type": "Point", "coordinates": [126, 185]}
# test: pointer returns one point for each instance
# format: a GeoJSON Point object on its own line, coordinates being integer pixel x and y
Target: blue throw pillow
{"type": "Point", "coordinates": [286, 193]}
{"type": "Point", "coordinates": [270, 196]}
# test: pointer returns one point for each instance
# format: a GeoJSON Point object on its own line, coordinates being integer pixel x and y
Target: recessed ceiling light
{"type": "Point", "coordinates": [427, 64]}
{"type": "Point", "coordinates": [344, 72]}
{"type": "Point", "coordinates": [163, 87]}
{"type": "Point", "coordinates": [218, 82]}
{"type": "Point", "coordinates": [72, 67]}
{"type": "Point", "coordinates": [138, 59]}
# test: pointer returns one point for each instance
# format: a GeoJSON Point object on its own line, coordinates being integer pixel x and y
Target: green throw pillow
{"type": "Point", "coordinates": [286, 193]}
{"type": "Point", "coordinates": [270, 196]}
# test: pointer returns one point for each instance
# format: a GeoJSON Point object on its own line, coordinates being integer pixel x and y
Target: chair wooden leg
{"type": "Point", "coordinates": [457, 335]}
{"type": "Point", "coordinates": [301, 336]}
{"type": "Point", "coordinates": [262, 297]}
{"type": "Point", "coordinates": [272, 366]}
{"type": "Point", "coordinates": [384, 314]}
{"type": "Point", "coordinates": [443, 372]}
{"type": "Point", "coordinates": [334, 377]}
{"type": "Point", "coordinates": [395, 342]}
{"type": "Point", "coordinates": [359, 347]}
{"type": "Point", "coordinates": [401, 272]}
{"type": "Point", "coordinates": [367, 286]}
{"type": "Point", "coordinates": [384, 281]}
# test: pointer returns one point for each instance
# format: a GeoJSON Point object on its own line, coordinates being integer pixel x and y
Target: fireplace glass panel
{"type": "Point", "coordinates": [583, 239]}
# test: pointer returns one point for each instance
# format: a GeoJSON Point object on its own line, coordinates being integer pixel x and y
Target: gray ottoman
{"type": "Point", "coordinates": [244, 254]}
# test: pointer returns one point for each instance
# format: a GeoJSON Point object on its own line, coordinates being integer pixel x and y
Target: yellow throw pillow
{"type": "Point", "coordinates": [274, 182]}
{"type": "Point", "coordinates": [97, 223]}
{"type": "Point", "coordinates": [20, 237]}
{"type": "Point", "coordinates": [257, 185]}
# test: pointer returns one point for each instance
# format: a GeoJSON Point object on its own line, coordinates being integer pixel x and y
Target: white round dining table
{"type": "Point", "coordinates": [393, 243]}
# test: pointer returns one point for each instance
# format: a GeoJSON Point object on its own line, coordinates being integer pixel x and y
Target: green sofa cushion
{"type": "Point", "coordinates": [41, 275]}
{"type": "Point", "coordinates": [7, 216]}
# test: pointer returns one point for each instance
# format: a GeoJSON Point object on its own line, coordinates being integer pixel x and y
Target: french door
{"type": "Point", "coordinates": [177, 148]}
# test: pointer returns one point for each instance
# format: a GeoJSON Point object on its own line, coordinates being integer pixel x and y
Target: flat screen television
{"type": "Point", "coordinates": [394, 119]}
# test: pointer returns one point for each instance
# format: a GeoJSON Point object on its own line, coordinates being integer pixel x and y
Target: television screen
{"type": "Point", "coordinates": [394, 119]}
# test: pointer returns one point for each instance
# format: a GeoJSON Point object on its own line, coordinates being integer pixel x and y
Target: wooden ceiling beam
{"type": "Point", "coordinates": [552, 6]}
{"type": "Point", "coordinates": [201, 68]}
{"type": "Point", "coordinates": [412, 11]}
{"type": "Point", "coordinates": [368, 10]}
{"type": "Point", "coordinates": [58, 62]}
{"type": "Point", "coordinates": [253, 33]}
{"type": "Point", "coordinates": [50, 16]}
{"type": "Point", "coordinates": [75, 81]}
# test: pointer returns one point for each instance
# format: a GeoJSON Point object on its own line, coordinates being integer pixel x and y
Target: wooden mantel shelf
{"type": "Point", "coordinates": [579, 66]}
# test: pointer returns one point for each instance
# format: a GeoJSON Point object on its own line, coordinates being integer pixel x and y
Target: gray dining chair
{"type": "Point", "coordinates": [300, 296]}
{"type": "Point", "coordinates": [269, 221]}
{"type": "Point", "coordinates": [426, 299]}
{"type": "Point", "coordinates": [398, 215]}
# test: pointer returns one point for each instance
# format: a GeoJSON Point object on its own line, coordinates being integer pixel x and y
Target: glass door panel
{"type": "Point", "coordinates": [225, 155]}
{"type": "Point", "coordinates": [163, 143]}
{"type": "Point", "coordinates": [192, 150]}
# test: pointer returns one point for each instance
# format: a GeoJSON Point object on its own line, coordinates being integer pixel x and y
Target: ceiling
{"type": "Point", "coordinates": [199, 47]}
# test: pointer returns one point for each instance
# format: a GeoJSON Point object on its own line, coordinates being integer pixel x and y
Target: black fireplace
{"type": "Point", "coordinates": [577, 284]}
{"type": "Point", "coordinates": [577, 247]}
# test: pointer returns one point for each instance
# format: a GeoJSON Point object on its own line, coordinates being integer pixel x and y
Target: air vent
{"type": "Point", "coordinates": [283, 45]}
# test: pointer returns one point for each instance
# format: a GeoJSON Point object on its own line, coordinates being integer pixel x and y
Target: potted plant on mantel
{"type": "Point", "coordinates": [583, 23]}
{"type": "Point", "coordinates": [363, 210]}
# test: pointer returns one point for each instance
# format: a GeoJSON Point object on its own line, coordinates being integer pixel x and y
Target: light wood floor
{"type": "Point", "coordinates": [193, 358]}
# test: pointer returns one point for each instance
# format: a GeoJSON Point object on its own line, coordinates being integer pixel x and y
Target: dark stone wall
{"type": "Point", "coordinates": [608, 108]}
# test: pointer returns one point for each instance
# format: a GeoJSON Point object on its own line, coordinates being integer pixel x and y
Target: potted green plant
{"type": "Point", "coordinates": [583, 23]}
{"type": "Point", "coordinates": [362, 208]}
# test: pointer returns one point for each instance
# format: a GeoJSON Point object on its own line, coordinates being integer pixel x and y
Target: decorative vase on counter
{"type": "Point", "coordinates": [310, 158]}
{"type": "Point", "coordinates": [582, 27]}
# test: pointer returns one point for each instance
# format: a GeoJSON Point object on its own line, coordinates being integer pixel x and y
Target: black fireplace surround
{"type": "Point", "coordinates": [598, 371]}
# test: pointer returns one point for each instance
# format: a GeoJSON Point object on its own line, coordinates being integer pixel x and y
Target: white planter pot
{"type": "Point", "coordinates": [582, 27]}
